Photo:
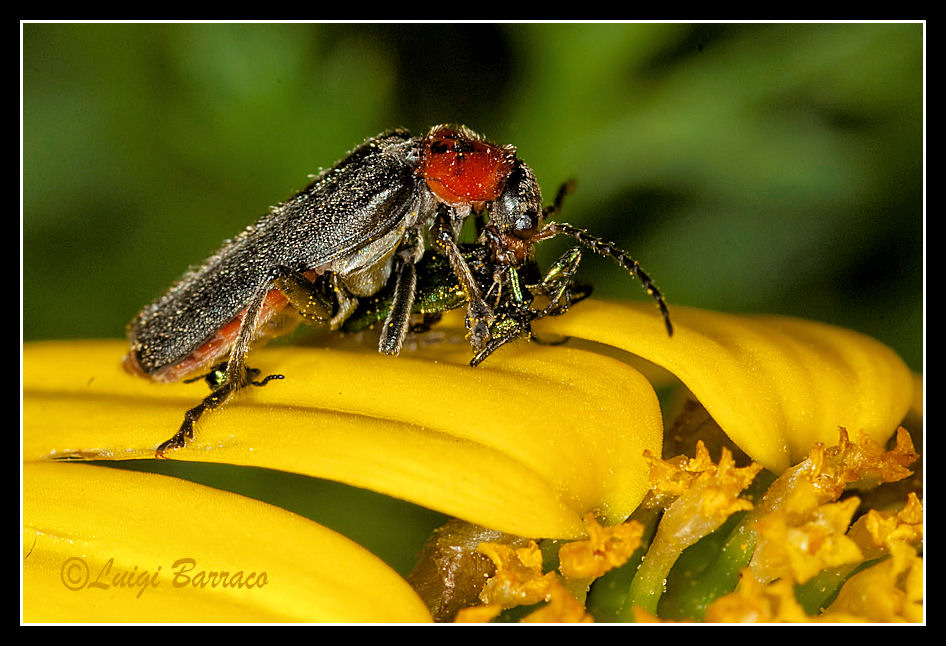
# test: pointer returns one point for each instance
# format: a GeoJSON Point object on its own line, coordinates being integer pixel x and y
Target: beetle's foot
{"type": "Point", "coordinates": [177, 441]}
{"type": "Point", "coordinates": [186, 432]}
{"type": "Point", "coordinates": [252, 372]}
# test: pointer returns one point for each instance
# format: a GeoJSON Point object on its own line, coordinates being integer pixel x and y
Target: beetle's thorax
{"type": "Point", "coordinates": [462, 168]}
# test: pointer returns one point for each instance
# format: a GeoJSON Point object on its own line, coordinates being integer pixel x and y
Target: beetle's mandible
{"type": "Point", "coordinates": [357, 227]}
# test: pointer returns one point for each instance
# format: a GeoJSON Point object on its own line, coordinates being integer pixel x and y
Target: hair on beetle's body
{"type": "Point", "coordinates": [348, 220]}
{"type": "Point", "coordinates": [359, 227]}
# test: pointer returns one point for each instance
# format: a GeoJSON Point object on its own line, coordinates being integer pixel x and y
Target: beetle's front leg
{"type": "Point", "coordinates": [514, 315]}
{"type": "Point", "coordinates": [479, 316]}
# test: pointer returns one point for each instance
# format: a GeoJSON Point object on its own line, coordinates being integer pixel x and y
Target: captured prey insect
{"type": "Point", "coordinates": [510, 293]}
{"type": "Point", "coordinates": [358, 226]}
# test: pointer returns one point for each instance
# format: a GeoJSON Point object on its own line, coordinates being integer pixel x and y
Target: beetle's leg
{"type": "Point", "coordinates": [491, 346]}
{"type": "Point", "coordinates": [479, 315]}
{"type": "Point", "coordinates": [558, 284]}
{"type": "Point", "coordinates": [509, 325]}
{"type": "Point", "coordinates": [608, 250]}
{"type": "Point", "coordinates": [425, 324]}
{"type": "Point", "coordinates": [346, 303]}
{"type": "Point", "coordinates": [555, 207]}
{"type": "Point", "coordinates": [214, 378]}
{"type": "Point", "coordinates": [513, 319]}
{"type": "Point", "coordinates": [311, 303]}
{"type": "Point", "coordinates": [304, 296]}
{"type": "Point", "coordinates": [396, 323]}
{"type": "Point", "coordinates": [235, 375]}
{"type": "Point", "coordinates": [218, 374]}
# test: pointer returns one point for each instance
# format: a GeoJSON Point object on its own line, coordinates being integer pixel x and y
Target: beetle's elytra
{"type": "Point", "coordinates": [359, 230]}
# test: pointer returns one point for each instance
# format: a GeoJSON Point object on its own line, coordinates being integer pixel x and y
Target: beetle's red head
{"type": "Point", "coordinates": [462, 168]}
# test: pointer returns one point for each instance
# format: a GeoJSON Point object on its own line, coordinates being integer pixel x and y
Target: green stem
{"type": "Point", "coordinates": [649, 583]}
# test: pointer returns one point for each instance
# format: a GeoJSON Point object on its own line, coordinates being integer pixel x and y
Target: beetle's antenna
{"type": "Point", "coordinates": [555, 207]}
{"type": "Point", "coordinates": [608, 250]}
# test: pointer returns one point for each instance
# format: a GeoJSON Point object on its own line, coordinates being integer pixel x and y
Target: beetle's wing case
{"type": "Point", "coordinates": [359, 208]}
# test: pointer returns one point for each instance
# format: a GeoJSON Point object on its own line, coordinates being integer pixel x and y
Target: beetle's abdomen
{"type": "Point", "coordinates": [212, 351]}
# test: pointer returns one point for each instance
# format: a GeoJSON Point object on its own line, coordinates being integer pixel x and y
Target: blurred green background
{"type": "Point", "coordinates": [748, 167]}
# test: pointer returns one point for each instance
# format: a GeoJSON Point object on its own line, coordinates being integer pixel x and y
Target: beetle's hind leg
{"type": "Point", "coordinates": [227, 379]}
{"type": "Point", "coordinates": [186, 432]}
{"type": "Point", "coordinates": [306, 297]}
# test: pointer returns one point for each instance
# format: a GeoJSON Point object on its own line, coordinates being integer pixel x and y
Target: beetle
{"type": "Point", "coordinates": [358, 226]}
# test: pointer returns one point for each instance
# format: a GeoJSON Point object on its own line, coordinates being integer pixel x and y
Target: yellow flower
{"type": "Point", "coordinates": [529, 443]}
{"type": "Point", "coordinates": [520, 581]}
{"type": "Point", "coordinates": [776, 385]}
{"type": "Point", "coordinates": [904, 526]}
{"type": "Point", "coordinates": [707, 490]}
{"type": "Point", "coordinates": [803, 533]}
{"type": "Point", "coordinates": [110, 545]}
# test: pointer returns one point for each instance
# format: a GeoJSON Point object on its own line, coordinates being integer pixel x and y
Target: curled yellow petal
{"type": "Point", "coordinates": [776, 385]}
{"type": "Point", "coordinates": [108, 545]}
{"type": "Point", "coordinates": [526, 443]}
{"type": "Point", "coordinates": [605, 549]}
{"type": "Point", "coordinates": [824, 474]}
{"type": "Point", "coordinates": [890, 591]}
{"type": "Point", "coordinates": [519, 580]}
{"type": "Point", "coordinates": [755, 602]}
{"type": "Point", "coordinates": [805, 546]}
{"type": "Point", "coordinates": [905, 526]}
{"type": "Point", "coordinates": [478, 614]}
{"type": "Point", "coordinates": [801, 531]}
{"type": "Point", "coordinates": [561, 608]}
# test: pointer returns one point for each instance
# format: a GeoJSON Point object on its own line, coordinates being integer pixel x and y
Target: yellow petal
{"type": "Point", "coordinates": [776, 385]}
{"type": "Point", "coordinates": [526, 443]}
{"type": "Point", "coordinates": [107, 545]}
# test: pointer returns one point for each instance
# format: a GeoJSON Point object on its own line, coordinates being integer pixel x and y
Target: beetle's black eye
{"type": "Point", "coordinates": [526, 225]}
{"type": "Point", "coordinates": [461, 146]}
